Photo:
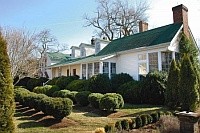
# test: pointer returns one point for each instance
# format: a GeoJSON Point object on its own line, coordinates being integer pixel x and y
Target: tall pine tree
{"type": "Point", "coordinates": [189, 95]}
{"type": "Point", "coordinates": [172, 89]}
{"type": "Point", "coordinates": [6, 91]}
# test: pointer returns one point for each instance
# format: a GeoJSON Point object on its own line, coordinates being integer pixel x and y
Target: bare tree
{"type": "Point", "coordinates": [115, 19]}
{"type": "Point", "coordinates": [46, 42]}
{"type": "Point", "coordinates": [21, 48]}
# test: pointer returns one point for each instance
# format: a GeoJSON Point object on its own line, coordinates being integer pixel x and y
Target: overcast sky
{"type": "Point", "coordinates": [65, 17]}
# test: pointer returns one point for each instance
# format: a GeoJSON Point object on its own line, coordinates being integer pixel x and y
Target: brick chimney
{"type": "Point", "coordinates": [180, 14]}
{"type": "Point", "coordinates": [143, 26]}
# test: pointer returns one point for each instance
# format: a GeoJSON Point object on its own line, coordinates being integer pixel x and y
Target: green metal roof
{"type": "Point", "coordinates": [144, 39]}
{"type": "Point", "coordinates": [57, 56]}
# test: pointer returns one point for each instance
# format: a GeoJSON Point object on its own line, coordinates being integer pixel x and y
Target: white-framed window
{"type": "Point", "coordinates": [96, 68]}
{"type": "Point", "coordinates": [83, 71]}
{"type": "Point", "coordinates": [83, 53]}
{"type": "Point", "coordinates": [90, 69]}
{"type": "Point", "coordinates": [113, 68]}
{"type": "Point", "coordinates": [166, 60]}
{"type": "Point", "coordinates": [106, 68]}
{"type": "Point", "coordinates": [97, 47]}
{"type": "Point", "coordinates": [153, 61]}
{"type": "Point", "coordinates": [142, 65]}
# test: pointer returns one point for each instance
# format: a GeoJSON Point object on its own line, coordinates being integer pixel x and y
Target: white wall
{"type": "Point", "coordinates": [128, 62]}
{"type": "Point", "coordinates": [75, 52]}
{"type": "Point", "coordinates": [89, 51]}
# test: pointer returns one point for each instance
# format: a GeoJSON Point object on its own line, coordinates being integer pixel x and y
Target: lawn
{"type": "Point", "coordinates": [81, 120]}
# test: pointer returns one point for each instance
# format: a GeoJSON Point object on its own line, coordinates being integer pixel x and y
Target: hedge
{"type": "Point", "coordinates": [56, 107]}
{"type": "Point", "coordinates": [78, 85]}
{"type": "Point", "coordinates": [135, 122]}
{"type": "Point", "coordinates": [47, 89]}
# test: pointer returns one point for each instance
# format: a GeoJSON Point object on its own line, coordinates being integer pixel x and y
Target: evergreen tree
{"type": "Point", "coordinates": [189, 95]}
{"type": "Point", "coordinates": [172, 90]}
{"type": "Point", "coordinates": [6, 91]}
{"type": "Point", "coordinates": [188, 47]}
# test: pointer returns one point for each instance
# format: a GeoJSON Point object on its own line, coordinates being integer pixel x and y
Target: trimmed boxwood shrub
{"type": "Point", "coordinates": [155, 117]}
{"type": "Point", "coordinates": [94, 99]}
{"type": "Point", "coordinates": [153, 88]}
{"type": "Point", "coordinates": [63, 81]}
{"type": "Point", "coordinates": [138, 122]}
{"type": "Point", "coordinates": [57, 107]}
{"type": "Point", "coordinates": [47, 89]}
{"type": "Point", "coordinates": [23, 81]}
{"type": "Point", "coordinates": [133, 123]}
{"type": "Point", "coordinates": [99, 84]}
{"type": "Point", "coordinates": [32, 83]}
{"type": "Point", "coordinates": [119, 79]}
{"type": "Point", "coordinates": [118, 125]}
{"type": "Point", "coordinates": [52, 81]}
{"type": "Point", "coordinates": [111, 101]}
{"type": "Point", "coordinates": [132, 92]}
{"type": "Point", "coordinates": [125, 124]}
{"type": "Point", "coordinates": [82, 98]}
{"type": "Point", "coordinates": [78, 85]}
{"type": "Point", "coordinates": [66, 94]}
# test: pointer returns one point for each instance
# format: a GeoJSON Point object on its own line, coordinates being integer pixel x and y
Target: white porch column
{"type": "Point", "coordinates": [87, 71]}
{"type": "Point", "coordinates": [81, 73]}
{"type": "Point", "coordinates": [100, 67]}
{"type": "Point", "coordinates": [109, 70]}
{"type": "Point", "coordinates": [173, 55]}
{"type": "Point", "coordinates": [69, 70]}
{"type": "Point", "coordinates": [92, 68]}
{"type": "Point", "coordinates": [159, 61]}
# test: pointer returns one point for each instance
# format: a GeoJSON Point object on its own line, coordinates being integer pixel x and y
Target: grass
{"type": "Point", "coordinates": [86, 119]}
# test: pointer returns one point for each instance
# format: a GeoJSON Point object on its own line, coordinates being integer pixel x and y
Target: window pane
{"type": "Point", "coordinates": [90, 70]}
{"type": "Point", "coordinates": [113, 68]}
{"type": "Point", "coordinates": [96, 68]}
{"type": "Point", "coordinates": [153, 61]}
{"type": "Point", "coordinates": [166, 60]}
{"type": "Point", "coordinates": [142, 68]}
{"type": "Point", "coordinates": [105, 68]}
{"type": "Point", "coordinates": [83, 71]}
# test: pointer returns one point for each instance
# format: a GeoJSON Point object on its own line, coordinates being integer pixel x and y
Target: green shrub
{"type": "Point", "coordinates": [52, 81]}
{"type": "Point", "coordinates": [111, 101]}
{"type": "Point", "coordinates": [155, 117]}
{"type": "Point", "coordinates": [78, 85]}
{"type": "Point", "coordinates": [65, 94]}
{"type": "Point", "coordinates": [132, 92]}
{"type": "Point", "coordinates": [94, 99]}
{"type": "Point", "coordinates": [63, 81]}
{"type": "Point", "coordinates": [110, 128]}
{"type": "Point", "coordinates": [23, 82]}
{"type": "Point", "coordinates": [125, 124]}
{"type": "Point", "coordinates": [56, 107]}
{"type": "Point", "coordinates": [47, 89]}
{"type": "Point", "coordinates": [32, 83]}
{"type": "Point", "coordinates": [118, 125]}
{"type": "Point", "coordinates": [82, 98]}
{"type": "Point", "coordinates": [144, 119]}
{"type": "Point", "coordinates": [59, 107]}
{"type": "Point", "coordinates": [153, 88]}
{"type": "Point", "coordinates": [119, 79]}
{"type": "Point", "coordinates": [99, 84]}
{"type": "Point", "coordinates": [138, 121]}
{"type": "Point", "coordinates": [133, 123]}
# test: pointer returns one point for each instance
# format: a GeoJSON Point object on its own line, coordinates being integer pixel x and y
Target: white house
{"type": "Point", "coordinates": [136, 54]}
{"type": "Point", "coordinates": [51, 58]}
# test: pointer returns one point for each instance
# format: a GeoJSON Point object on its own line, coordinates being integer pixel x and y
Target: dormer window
{"type": "Point", "coordinates": [97, 47]}
{"type": "Point", "coordinates": [83, 52]}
